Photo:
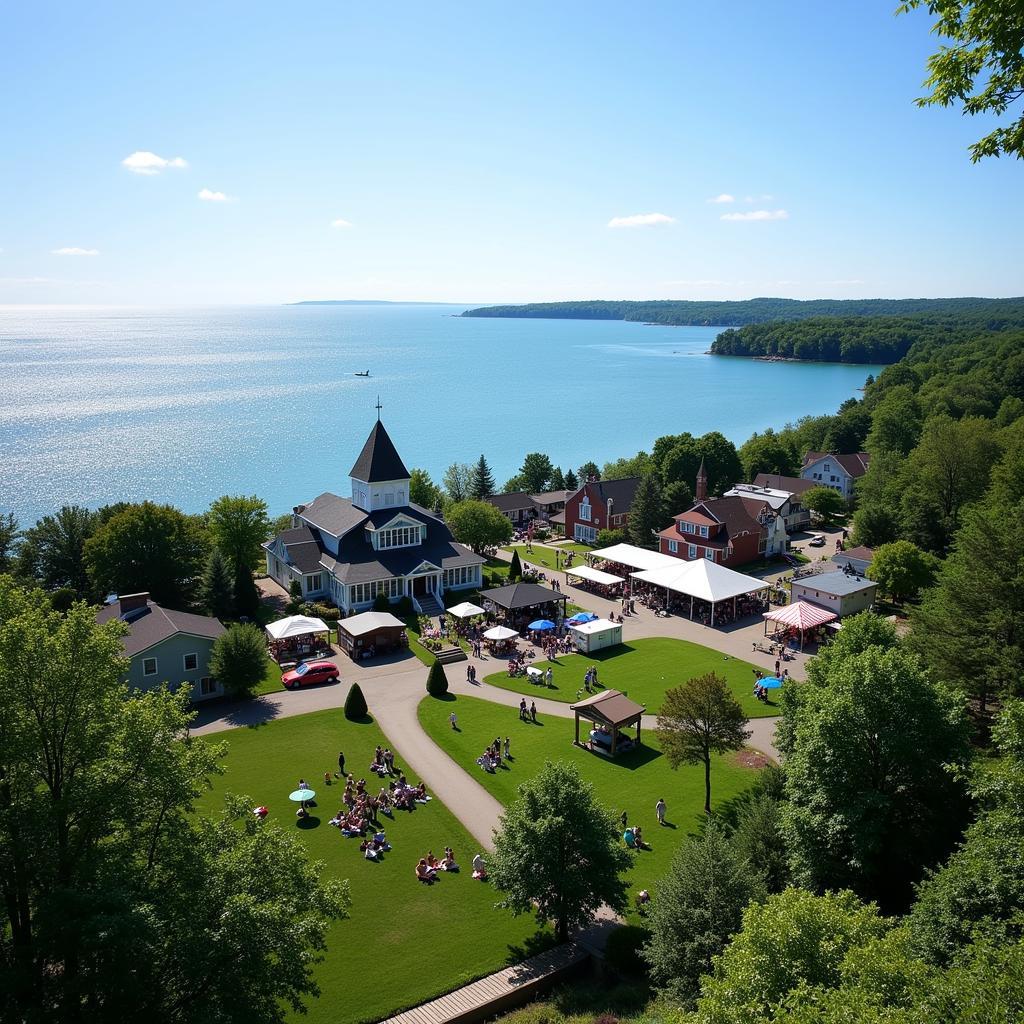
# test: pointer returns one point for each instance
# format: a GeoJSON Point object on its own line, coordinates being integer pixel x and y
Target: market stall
{"type": "Point", "coordinates": [371, 633]}
{"type": "Point", "coordinates": [596, 635]}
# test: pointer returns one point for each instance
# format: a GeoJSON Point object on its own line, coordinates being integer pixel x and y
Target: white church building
{"type": "Point", "coordinates": [352, 549]}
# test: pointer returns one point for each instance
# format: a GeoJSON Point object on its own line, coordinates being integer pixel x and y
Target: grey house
{"type": "Point", "coordinates": [165, 646]}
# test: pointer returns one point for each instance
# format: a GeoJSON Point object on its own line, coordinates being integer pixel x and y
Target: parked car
{"type": "Point", "coordinates": [309, 674]}
{"type": "Point", "coordinates": [817, 541]}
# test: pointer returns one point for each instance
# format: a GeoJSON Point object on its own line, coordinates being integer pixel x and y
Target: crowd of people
{"type": "Point", "coordinates": [491, 758]}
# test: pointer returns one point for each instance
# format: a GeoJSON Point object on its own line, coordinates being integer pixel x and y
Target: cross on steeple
{"type": "Point", "coordinates": [378, 407]}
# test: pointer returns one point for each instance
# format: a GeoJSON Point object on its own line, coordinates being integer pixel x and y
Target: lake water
{"type": "Point", "coordinates": [100, 405]}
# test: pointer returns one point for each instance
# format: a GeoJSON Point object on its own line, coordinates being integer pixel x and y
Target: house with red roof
{"type": "Point", "coordinates": [731, 531]}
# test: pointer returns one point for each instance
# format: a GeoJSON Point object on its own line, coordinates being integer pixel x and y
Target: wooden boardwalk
{"type": "Point", "coordinates": [498, 993]}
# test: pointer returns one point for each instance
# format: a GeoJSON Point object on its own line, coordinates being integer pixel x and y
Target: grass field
{"type": "Point", "coordinates": [644, 669]}
{"type": "Point", "coordinates": [545, 557]}
{"type": "Point", "coordinates": [632, 782]}
{"type": "Point", "coordinates": [404, 942]}
{"type": "Point", "coordinates": [271, 679]}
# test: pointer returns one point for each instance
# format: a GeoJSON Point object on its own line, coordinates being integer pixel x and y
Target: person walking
{"type": "Point", "coordinates": [452, 719]}
{"type": "Point", "coordinates": [533, 711]}
{"type": "Point", "coordinates": [522, 709]}
{"type": "Point", "coordinates": [341, 765]}
{"type": "Point", "coordinates": [508, 749]}
{"type": "Point", "coordinates": [659, 809]}
{"type": "Point", "coordinates": [549, 677]}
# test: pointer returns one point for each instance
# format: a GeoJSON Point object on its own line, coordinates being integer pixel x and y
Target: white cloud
{"type": "Point", "coordinates": [341, 223]}
{"type": "Point", "coordinates": [723, 198]}
{"type": "Point", "coordinates": [73, 250]}
{"type": "Point", "coordinates": [209, 196]}
{"type": "Point", "coordinates": [144, 162]}
{"type": "Point", "coordinates": [757, 215]}
{"type": "Point", "coordinates": [640, 220]}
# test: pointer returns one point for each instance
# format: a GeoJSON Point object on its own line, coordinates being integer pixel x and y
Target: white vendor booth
{"type": "Point", "coordinates": [596, 635]}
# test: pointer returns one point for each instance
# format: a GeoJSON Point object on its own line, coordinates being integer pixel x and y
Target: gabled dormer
{"type": "Point", "coordinates": [400, 532]}
{"type": "Point", "coordinates": [698, 522]}
{"type": "Point", "coordinates": [379, 477]}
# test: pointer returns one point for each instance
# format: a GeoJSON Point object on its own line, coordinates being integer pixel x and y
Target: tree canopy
{"type": "Point", "coordinates": [535, 473]}
{"type": "Point", "coordinates": [481, 480]}
{"type": "Point", "coordinates": [478, 524]}
{"type": "Point", "coordinates": [557, 852]}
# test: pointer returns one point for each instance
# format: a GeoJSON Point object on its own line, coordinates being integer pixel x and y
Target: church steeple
{"type": "Point", "coordinates": [701, 493]}
{"type": "Point", "coordinates": [379, 477]}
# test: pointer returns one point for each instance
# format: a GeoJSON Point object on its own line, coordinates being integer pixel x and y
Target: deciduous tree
{"type": "Point", "coordinates": [53, 551]}
{"type": "Point", "coordinates": [456, 480]}
{"type": "Point", "coordinates": [767, 453]}
{"type": "Point", "coordinates": [699, 907]}
{"type": "Point", "coordinates": [697, 720]}
{"type": "Point", "coordinates": [871, 801]}
{"type": "Point", "coordinates": [148, 547]}
{"type": "Point", "coordinates": [478, 524]}
{"type": "Point", "coordinates": [589, 469]}
{"type": "Point", "coordinates": [238, 525]}
{"type": "Point", "coordinates": [825, 501]}
{"type": "Point", "coordinates": [902, 570]}
{"type": "Point", "coordinates": [535, 473]}
{"type": "Point", "coordinates": [557, 851]}
{"type": "Point", "coordinates": [239, 659]}
{"type": "Point", "coordinates": [422, 490]}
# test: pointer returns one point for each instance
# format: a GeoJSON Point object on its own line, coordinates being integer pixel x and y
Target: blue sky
{"type": "Point", "coordinates": [479, 152]}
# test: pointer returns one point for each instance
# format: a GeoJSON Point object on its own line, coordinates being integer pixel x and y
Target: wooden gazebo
{"type": "Point", "coordinates": [523, 597]}
{"type": "Point", "coordinates": [611, 711]}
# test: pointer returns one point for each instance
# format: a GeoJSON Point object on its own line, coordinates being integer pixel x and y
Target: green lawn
{"type": "Point", "coordinates": [632, 782]}
{"type": "Point", "coordinates": [545, 557]}
{"type": "Point", "coordinates": [404, 942]}
{"type": "Point", "coordinates": [412, 631]}
{"type": "Point", "coordinates": [643, 669]}
{"type": "Point", "coordinates": [271, 679]}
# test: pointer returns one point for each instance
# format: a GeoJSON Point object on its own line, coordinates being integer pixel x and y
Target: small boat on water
{"type": "Point", "coordinates": [365, 373]}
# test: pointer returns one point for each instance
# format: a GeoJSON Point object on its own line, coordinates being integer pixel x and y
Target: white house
{"type": "Point", "coordinates": [841, 592]}
{"type": "Point", "coordinates": [377, 541]}
{"type": "Point", "coordinates": [839, 472]}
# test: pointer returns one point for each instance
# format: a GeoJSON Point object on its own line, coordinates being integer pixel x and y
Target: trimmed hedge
{"type": "Point", "coordinates": [437, 681]}
{"type": "Point", "coordinates": [355, 704]}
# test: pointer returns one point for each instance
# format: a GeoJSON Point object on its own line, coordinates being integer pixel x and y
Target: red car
{"type": "Point", "coordinates": [309, 674]}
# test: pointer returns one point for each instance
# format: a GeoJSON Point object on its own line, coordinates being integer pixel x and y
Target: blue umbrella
{"type": "Point", "coordinates": [771, 683]}
{"type": "Point", "coordinates": [541, 624]}
{"type": "Point", "coordinates": [301, 795]}
{"type": "Point", "coordinates": [583, 617]}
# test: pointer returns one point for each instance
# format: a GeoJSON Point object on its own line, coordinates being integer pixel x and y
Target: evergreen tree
{"type": "Point", "coordinates": [481, 482]}
{"type": "Point", "coordinates": [515, 569]}
{"type": "Point", "coordinates": [437, 681]}
{"type": "Point", "coordinates": [647, 513]}
{"type": "Point", "coordinates": [355, 704]}
{"type": "Point", "coordinates": [557, 480]}
{"type": "Point", "coordinates": [571, 483]}
{"type": "Point", "coordinates": [9, 534]}
{"type": "Point", "coordinates": [699, 908]}
{"type": "Point", "coordinates": [218, 590]}
{"type": "Point", "coordinates": [588, 470]}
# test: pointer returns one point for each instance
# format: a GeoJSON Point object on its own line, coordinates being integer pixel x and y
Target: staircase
{"type": "Point", "coordinates": [429, 605]}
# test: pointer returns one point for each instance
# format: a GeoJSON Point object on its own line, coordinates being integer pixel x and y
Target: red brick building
{"type": "Point", "coordinates": [599, 505]}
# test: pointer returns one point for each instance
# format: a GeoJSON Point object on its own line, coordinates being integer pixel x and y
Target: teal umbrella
{"type": "Point", "coordinates": [300, 796]}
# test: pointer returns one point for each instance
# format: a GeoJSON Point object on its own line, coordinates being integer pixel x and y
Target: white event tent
{"type": "Point", "coordinates": [702, 579]}
{"type": "Point", "coordinates": [584, 572]}
{"type": "Point", "coordinates": [296, 625]}
{"type": "Point", "coordinates": [634, 557]}
{"type": "Point", "coordinates": [465, 610]}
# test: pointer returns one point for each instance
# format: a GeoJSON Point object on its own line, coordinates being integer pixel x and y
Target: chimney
{"type": "Point", "coordinates": [132, 602]}
{"type": "Point", "coordinates": [701, 492]}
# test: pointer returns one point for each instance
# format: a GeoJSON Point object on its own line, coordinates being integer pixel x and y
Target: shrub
{"type": "Point", "coordinates": [327, 612]}
{"type": "Point", "coordinates": [239, 659]}
{"type": "Point", "coordinates": [515, 569]}
{"type": "Point", "coordinates": [355, 704]}
{"type": "Point", "coordinates": [381, 602]}
{"type": "Point", "coordinates": [607, 538]}
{"type": "Point", "coordinates": [437, 681]}
{"type": "Point", "coordinates": [404, 608]}
{"type": "Point", "coordinates": [622, 953]}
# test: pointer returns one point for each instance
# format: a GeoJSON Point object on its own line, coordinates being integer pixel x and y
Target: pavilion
{"type": "Point", "coordinates": [523, 597]}
{"type": "Point", "coordinates": [634, 557]}
{"type": "Point", "coordinates": [591, 575]}
{"type": "Point", "coordinates": [702, 580]}
{"type": "Point", "coordinates": [610, 711]}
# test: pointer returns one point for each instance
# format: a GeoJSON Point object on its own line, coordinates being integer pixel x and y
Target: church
{"type": "Point", "coordinates": [349, 550]}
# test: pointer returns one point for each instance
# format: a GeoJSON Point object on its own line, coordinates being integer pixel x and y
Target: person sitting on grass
{"type": "Point", "coordinates": [381, 841]}
{"type": "Point", "coordinates": [448, 861]}
{"type": "Point", "coordinates": [423, 872]}
{"type": "Point", "coordinates": [479, 868]}
{"type": "Point", "coordinates": [432, 862]}
{"type": "Point", "coordinates": [368, 850]}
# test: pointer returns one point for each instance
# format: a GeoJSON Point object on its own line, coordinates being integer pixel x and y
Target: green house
{"type": "Point", "coordinates": [166, 646]}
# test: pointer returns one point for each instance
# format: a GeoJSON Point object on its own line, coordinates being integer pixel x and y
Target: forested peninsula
{"type": "Point", "coordinates": [993, 313]}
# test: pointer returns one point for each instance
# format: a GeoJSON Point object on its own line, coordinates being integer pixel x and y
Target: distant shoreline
{"type": "Point", "coordinates": [368, 302]}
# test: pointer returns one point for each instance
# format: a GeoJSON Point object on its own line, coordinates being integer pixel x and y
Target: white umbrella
{"type": "Point", "coordinates": [500, 633]}
{"type": "Point", "coordinates": [465, 610]}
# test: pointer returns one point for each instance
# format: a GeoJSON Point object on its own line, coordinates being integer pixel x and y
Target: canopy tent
{"type": "Point", "coordinates": [596, 634]}
{"type": "Point", "coordinates": [611, 711]}
{"type": "Point", "coordinates": [465, 610]}
{"type": "Point", "coordinates": [365, 635]}
{"type": "Point", "coordinates": [500, 633]}
{"type": "Point", "coordinates": [296, 625]}
{"type": "Point", "coordinates": [702, 580]}
{"type": "Point", "coordinates": [801, 615]}
{"type": "Point", "coordinates": [634, 557]}
{"type": "Point", "coordinates": [584, 572]}
{"type": "Point", "coordinates": [519, 596]}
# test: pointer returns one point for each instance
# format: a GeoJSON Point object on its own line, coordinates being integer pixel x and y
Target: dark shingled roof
{"type": "Point", "coordinates": [153, 625]}
{"type": "Point", "coordinates": [621, 492]}
{"type": "Point", "coordinates": [521, 595]}
{"type": "Point", "coordinates": [332, 514]}
{"type": "Point", "coordinates": [793, 484]}
{"type": "Point", "coordinates": [379, 460]}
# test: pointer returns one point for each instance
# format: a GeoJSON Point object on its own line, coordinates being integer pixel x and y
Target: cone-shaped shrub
{"type": "Point", "coordinates": [515, 569]}
{"type": "Point", "coordinates": [355, 704]}
{"type": "Point", "coordinates": [437, 681]}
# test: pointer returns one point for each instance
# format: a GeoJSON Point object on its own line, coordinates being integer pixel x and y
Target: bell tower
{"type": "Point", "coordinates": [701, 493]}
